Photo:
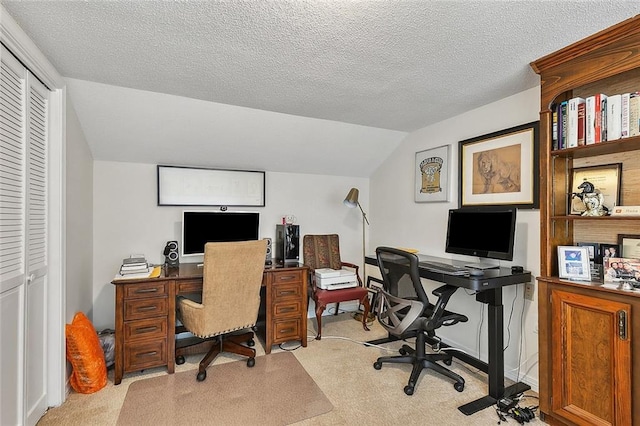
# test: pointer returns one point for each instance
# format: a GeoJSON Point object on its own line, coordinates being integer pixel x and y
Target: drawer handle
{"type": "Point", "coordinates": [287, 309]}
{"type": "Point", "coordinates": [147, 290]}
{"type": "Point", "coordinates": [286, 330]}
{"type": "Point", "coordinates": [287, 277]}
{"type": "Point", "coordinates": [147, 308]}
{"type": "Point", "coordinates": [144, 354]}
{"type": "Point", "coordinates": [146, 329]}
{"type": "Point", "coordinates": [287, 292]}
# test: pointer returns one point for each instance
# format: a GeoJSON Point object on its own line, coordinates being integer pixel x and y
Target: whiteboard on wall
{"type": "Point", "coordinates": [192, 186]}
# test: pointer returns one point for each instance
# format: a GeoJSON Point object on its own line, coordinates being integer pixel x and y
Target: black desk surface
{"type": "Point", "coordinates": [492, 278]}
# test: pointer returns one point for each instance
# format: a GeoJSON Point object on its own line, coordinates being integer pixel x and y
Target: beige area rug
{"type": "Point", "coordinates": [276, 391]}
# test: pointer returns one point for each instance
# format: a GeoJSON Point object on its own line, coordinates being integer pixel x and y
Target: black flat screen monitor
{"type": "Point", "coordinates": [486, 232]}
{"type": "Point", "coordinates": [201, 227]}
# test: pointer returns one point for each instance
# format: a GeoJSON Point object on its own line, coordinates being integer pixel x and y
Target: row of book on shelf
{"type": "Point", "coordinates": [595, 119]}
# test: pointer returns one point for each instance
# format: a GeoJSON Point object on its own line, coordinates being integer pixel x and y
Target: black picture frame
{"type": "Point", "coordinates": [501, 168]}
{"type": "Point", "coordinates": [605, 251]}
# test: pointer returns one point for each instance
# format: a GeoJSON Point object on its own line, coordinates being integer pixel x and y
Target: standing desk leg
{"type": "Point", "coordinates": [493, 298]}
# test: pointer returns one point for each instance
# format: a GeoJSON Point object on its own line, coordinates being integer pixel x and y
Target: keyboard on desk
{"type": "Point", "coordinates": [444, 268]}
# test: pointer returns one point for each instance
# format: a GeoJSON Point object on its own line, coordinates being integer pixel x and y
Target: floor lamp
{"type": "Point", "coordinates": [351, 201]}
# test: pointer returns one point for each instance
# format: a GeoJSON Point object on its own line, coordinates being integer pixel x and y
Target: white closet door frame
{"type": "Point", "coordinates": [14, 38]}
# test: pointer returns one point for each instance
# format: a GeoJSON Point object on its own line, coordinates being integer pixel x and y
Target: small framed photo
{"type": "Point", "coordinates": [609, 250]}
{"type": "Point", "coordinates": [617, 269]}
{"type": "Point", "coordinates": [629, 246]}
{"type": "Point", "coordinates": [432, 175]}
{"type": "Point", "coordinates": [573, 263]}
{"type": "Point", "coordinates": [594, 251]}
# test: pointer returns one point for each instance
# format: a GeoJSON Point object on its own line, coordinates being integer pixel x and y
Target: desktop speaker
{"type": "Point", "coordinates": [287, 243]}
{"type": "Point", "coordinates": [171, 253]}
{"type": "Point", "coordinates": [267, 260]}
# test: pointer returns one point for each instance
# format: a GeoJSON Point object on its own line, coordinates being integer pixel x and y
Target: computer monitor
{"type": "Point", "coordinates": [482, 232]}
{"type": "Point", "coordinates": [200, 227]}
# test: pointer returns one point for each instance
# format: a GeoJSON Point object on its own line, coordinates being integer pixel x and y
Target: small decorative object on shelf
{"type": "Point", "coordinates": [592, 198]}
{"type": "Point", "coordinates": [626, 211]}
{"type": "Point", "coordinates": [573, 263]}
{"type": "Point", "coordinates": [623, 271]}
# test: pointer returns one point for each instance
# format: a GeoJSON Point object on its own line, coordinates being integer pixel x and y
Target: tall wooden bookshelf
{"type": "Point", "coordinates": [589, 346]}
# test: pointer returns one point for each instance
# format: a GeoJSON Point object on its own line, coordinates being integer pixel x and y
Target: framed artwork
{"type": "Point", "coordinates": [573, 263]}
{"type": "Point", "coordinates": [432, 175]}
{"type": "Point", "coordinates": [501, 168]}
{"type": "Point", "coordinates": [629, 246]}
{"type": "Point", "coordinates": [609, 250]}
{"type": "Point", "coordinates": [605, 178]}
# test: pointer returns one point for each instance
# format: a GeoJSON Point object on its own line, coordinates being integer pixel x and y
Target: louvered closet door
{"type": "Point", "coordinates": [36, 251]}
{"type": "Point", "coordinates": [23, 228]}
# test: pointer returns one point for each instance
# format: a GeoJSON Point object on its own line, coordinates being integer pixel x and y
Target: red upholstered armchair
{"type": "Point", "coordinates": [323, 251]}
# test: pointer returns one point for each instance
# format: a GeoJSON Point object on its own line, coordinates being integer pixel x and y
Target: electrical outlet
{"type": "Point", "coordinates": [529, 289]}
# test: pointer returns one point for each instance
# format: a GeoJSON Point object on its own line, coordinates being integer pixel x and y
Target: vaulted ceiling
{"type": "Point", "coordinates": [364, 72]}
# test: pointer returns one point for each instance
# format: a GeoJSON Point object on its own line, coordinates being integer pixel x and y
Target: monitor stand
{"type": "Point", "coordinates": [481, 266]}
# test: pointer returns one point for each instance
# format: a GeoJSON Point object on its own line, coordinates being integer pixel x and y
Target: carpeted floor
{"type": "Point", "coordinates": [342, 368]}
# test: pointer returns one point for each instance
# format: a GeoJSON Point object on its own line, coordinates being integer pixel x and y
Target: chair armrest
{"type": "Point", "coordinates": [354, 266]}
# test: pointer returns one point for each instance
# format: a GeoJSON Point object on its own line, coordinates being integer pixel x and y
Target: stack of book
{"type": "Point", "coordinates": [134, 265]}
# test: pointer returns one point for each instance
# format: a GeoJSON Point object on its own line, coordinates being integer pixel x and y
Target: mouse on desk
{"type": "Point", "coordinates": [476, 272]}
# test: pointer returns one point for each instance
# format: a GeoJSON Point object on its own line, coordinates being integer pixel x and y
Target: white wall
{"type": "Point", "coordinates": [127, 219]}
{"type": "Point", "coordinates": [396, 220]}
{"type": "Point", "coordinates": [79, 219]}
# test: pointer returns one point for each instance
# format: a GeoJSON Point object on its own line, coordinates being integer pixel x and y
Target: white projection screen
{"type": "Point", "coordinates": [192, 186]}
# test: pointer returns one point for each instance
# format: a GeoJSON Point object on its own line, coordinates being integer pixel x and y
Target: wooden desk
{"type": "Point", "coordinates": [146, 313]}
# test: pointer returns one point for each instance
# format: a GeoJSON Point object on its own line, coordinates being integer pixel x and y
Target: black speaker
{"type": "Point", "coordinates": [268, 260]}
{"type": "Point", "coordinates": [171, 253]}
{"type": "Point", "coordinates": [287, 243]}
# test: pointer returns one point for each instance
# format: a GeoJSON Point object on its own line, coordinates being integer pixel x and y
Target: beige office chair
{"type": "Point", "coordinates": [323, 251]}
{"type": "Point", "coordinates": [232, 277]}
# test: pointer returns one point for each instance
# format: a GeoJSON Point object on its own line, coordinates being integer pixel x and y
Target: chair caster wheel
{"type": "Point", "coordinates": [201, 376]}
{"type": "Point", "coordinates": [179, 360]}
{"type": "Point", "coordinates": [251, 362]}
{"type": "Point", "coordinates": [447, 361]}
{"type": "Point", "coordinates": [458, 386]}
{"type": "Point", "coordinates": [408, 390]}
{"type": "Point", "coordinates": [251, 343]}
{"type": "Point", "coordinates": [377, 365]}
{"type": "Point", "coordinates": [403, 351]}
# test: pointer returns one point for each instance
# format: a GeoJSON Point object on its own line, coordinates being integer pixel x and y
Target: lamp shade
{"type": "Point", "coordinates": [352, 198]}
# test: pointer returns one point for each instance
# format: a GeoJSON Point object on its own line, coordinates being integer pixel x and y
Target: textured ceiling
{"type": "Point", "coordinates": [397, 65]}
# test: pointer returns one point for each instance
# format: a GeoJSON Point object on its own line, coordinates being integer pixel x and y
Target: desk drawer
{"type": "Point", "coordinates": [145, 308]}
{"type": "Point", "coordinates": [288, 276]}
{"type": "Point", "coordinates": [188, 286]}
{"type": "Point", "coordinates": [287, 329]}
{"type": "Point", "coordinates": [154, 328]}
{"type": "Point", "coordinates": [138, 356]}
{"type": "Point", "coordinates": [286, 291]}
{"type": "Point", "coordinates": [287, 309]}
{"type": "Point", "coordinates": [139, 291]}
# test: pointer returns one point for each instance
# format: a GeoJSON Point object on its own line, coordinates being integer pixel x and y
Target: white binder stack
{"type": "Point", "coordinates": [333, 279]}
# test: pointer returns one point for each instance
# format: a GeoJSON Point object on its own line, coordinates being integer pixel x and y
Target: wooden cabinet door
{"type": "Point", "coordinates": [591, 354]}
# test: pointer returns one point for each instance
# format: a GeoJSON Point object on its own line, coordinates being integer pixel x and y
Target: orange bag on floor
{"type": "Point", "coordinates": [85, 354]}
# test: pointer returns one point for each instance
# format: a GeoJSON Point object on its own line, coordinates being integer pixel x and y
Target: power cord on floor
{"type": "Point", "coordinates": [508, 407]}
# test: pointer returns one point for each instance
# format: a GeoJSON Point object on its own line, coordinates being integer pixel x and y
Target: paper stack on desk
{"type": "Point", "coordinates": [134, 265]}
{"type": "Point", "coordinates": [333, 279]}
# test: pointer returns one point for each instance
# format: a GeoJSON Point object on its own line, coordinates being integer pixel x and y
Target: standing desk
{"type": "Point", "coordinates": [489, 291]}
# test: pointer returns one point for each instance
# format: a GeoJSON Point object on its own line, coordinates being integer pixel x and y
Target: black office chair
{"type": "Point", "coordinates": [408, 316]}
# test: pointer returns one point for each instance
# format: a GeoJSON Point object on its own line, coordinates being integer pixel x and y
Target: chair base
{"type": "Point", "coordinates": [226, 343]}
{"type": "Point", "coordinates": [421, 360]}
